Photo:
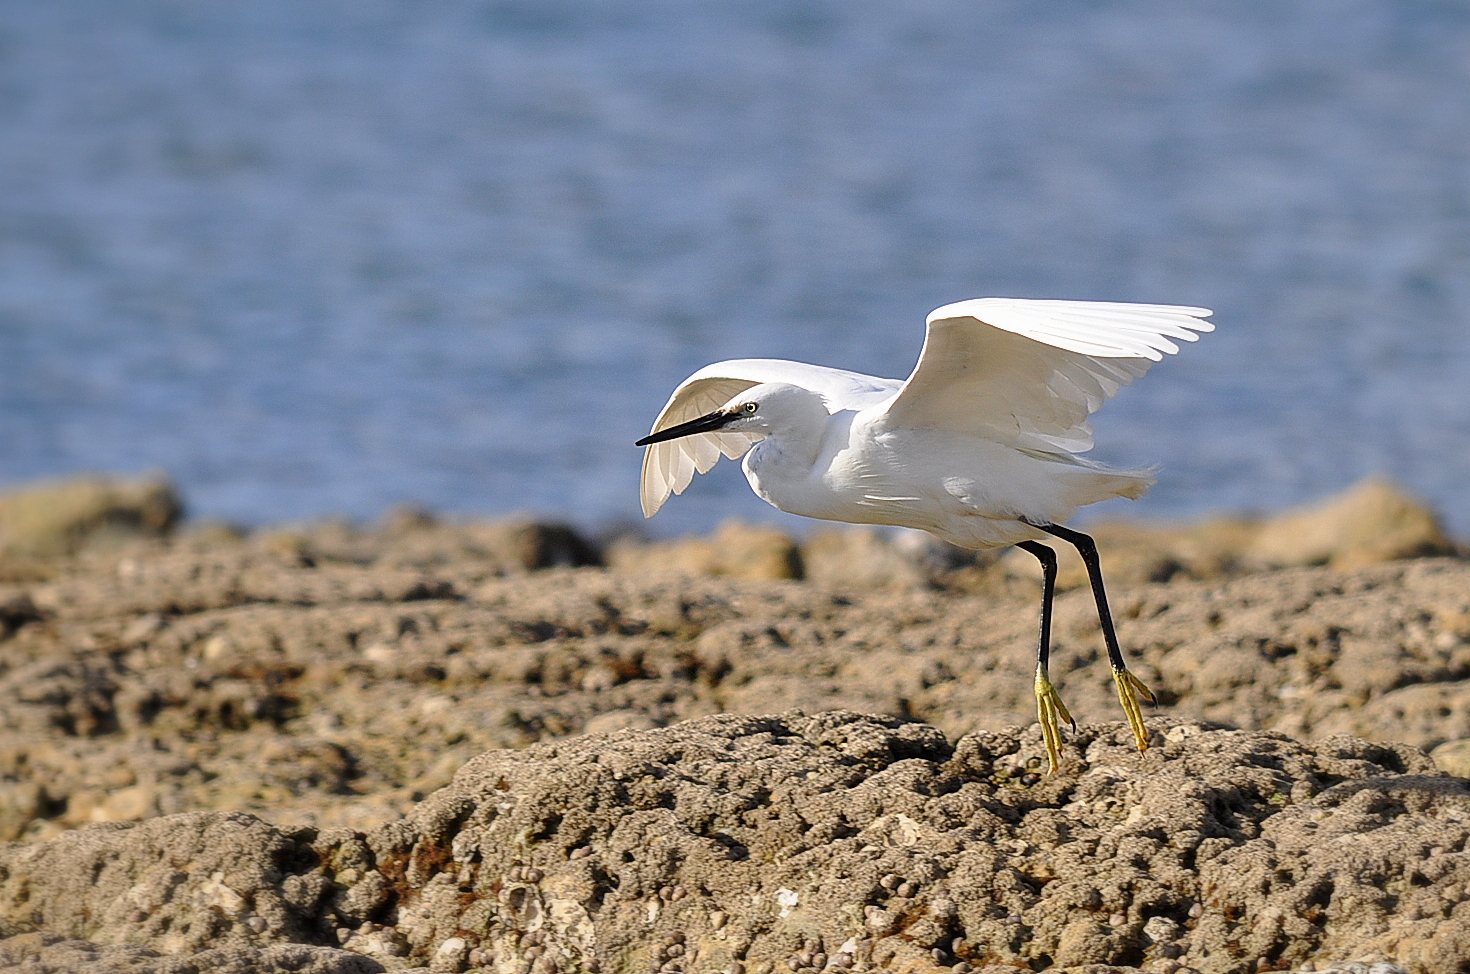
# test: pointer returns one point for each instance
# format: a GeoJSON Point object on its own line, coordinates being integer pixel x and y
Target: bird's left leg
{"type": "Point", "coordinates": [1050, 710]}
{"type": "Point", "coordinates": [1130, 687]}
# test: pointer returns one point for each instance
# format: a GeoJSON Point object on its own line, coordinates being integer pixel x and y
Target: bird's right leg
{"type": "Point", "coordinates": [1049, 707]}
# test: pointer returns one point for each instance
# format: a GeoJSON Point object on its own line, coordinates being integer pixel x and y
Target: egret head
{"type": "Point", "coordinates": [765, 409]}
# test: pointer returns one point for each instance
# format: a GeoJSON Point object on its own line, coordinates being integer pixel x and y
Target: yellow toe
{"type": "Point", "coordinates": [1130, 688]}
{"type": "Point", "coordinates": [1051, 712]}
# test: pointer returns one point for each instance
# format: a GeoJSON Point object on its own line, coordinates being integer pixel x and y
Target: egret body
{"type": "Point", "coordinates": [978, 446]}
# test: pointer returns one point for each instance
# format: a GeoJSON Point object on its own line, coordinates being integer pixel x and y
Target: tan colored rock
{"type": "Point", "coordinates": [735, 550]}
{"type": "Point", "coordinates": [1373, 521]}
{"type": "Point", "coordinates": [619, 851]}
{"type": "Point", "coordinates": [864, 557]}
{"type": "Point", "coordinates": [177, 883]}
{"type": "Point", "coordinates": [1138, 552]}
{"type": "Point", "coordinates": [36, 953]}
{"type": "Point", "coordinates": [62, 517]}
{"type": "Point", "coordinates": [16, 609]}
{"type": "Point", "coordinates": [1453, 757]}
{"type": "Point", "coordinates": [797, 841]}
{"type": "Point", "coordinates": [131, 804]}
{"type": "Point", "coordinates": [20, 803]}
{"type": "Point", "coordinates": [337, 690]}
{"type": "Point", "coordinates": [529, 545]}
{"type": "Point", "coordinates": [408, 538]}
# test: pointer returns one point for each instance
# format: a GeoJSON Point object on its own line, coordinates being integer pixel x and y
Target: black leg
{"type": "Point", "coordinates": [1087, 548]}
{"type": "Point", "coordinates": [1048, 559]}
{"type": "Point", "coordinates": [1049, 707]}
{"type": "Point", "coordinates": [1130, 688]}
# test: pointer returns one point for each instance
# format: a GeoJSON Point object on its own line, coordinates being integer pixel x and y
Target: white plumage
{"type": "Point", "coordinates": [1020, 373]}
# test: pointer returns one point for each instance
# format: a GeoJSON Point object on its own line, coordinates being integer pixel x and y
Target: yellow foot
{"type": "Point", "coordinates": [1130, 688]}
{"type": "Point", "coordinates": [1051, 712]}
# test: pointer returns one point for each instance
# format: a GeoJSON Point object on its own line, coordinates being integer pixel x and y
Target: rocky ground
{"type": "Point", "coordinates": [460, 747]}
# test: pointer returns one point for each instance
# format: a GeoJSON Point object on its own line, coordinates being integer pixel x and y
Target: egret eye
{"type": "Point", "coordinates": [749, 407]}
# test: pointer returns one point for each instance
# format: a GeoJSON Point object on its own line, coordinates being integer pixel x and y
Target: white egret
{"type": "Point", "coordinates": [978, 446]}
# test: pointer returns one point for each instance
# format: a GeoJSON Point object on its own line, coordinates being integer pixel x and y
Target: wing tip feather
{"type": "Point", "coordinates": [648, 493]}
{"type": "Point", "coordinates": [1124, 330]}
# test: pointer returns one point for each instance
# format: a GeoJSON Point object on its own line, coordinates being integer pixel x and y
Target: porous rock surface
{"type": "Point", "coordinates": [48, 954]}
{"type": "Point", "coordinates": [339, 679]}
{"type": "Point", "coordinates": [881, 845]}
{"type": "Point", "coordinates": [830, 841]}
{"type": "Point", "coordinates": [331, 748]}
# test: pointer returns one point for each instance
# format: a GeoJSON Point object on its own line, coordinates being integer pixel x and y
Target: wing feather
{"type": "Point", "coordinates": [1029, 373]}
{"type": "Point", "coordinates": [669, 467]}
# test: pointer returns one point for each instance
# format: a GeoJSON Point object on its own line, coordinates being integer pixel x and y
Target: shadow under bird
{"type": "Point", "coordinates": [978, 446]}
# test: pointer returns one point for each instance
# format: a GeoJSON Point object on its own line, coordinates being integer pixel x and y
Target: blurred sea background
{"type": "Point", "coordinates": [322, 257]}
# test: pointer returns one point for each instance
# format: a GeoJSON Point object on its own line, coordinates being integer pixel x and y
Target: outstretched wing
{"type": "Point", "coordinates": [1028, 373]}
{"type": "Point", "coordinates": [669, 467]}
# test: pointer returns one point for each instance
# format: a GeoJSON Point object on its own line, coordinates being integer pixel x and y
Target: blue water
{"type": "Point", "coordinates": [315, 257]}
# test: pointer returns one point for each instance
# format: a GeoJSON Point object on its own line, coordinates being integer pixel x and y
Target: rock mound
{"type": "Point", "coordinates": [235, 727]}
{"type": "Point", "coordinates": [337, 676]}
{"type": "Point", "coordinates": [1371, 522]}
{"type": "Point", "coordinates": [65, 516]}
{"type": "Point", "coordinates": [833, 841]}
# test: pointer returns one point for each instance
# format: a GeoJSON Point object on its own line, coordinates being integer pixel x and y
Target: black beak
{"type": "Point", "coordinates": [718, 419]}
